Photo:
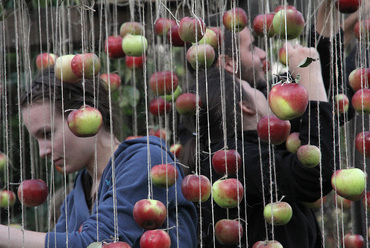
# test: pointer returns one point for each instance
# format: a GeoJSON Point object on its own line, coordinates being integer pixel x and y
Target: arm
{"type": "Point", "coordinates": [18, 239]}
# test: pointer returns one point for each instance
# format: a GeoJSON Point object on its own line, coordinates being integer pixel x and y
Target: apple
{"type": "Point", "coordinates": [113, 47]}
{"type": "Point", "coordinates": [347, 6]}
{"type": "Point", "coordinates": [134, 28]}
{"type": "Point", "coordinates": [278, 213]}
{"type": "Point", "coordinates": [353, 241]}
{"type": "Point", "coordinates": [133, 137]}
{"type": "Point", "coordinates": [63, 69]}
{"type": "Point", "coordinates": [196, 188]}
{"type": "Point", "coordinates": [228, 232]}
{"type": "Point", "coordinates": [309, 155]}
{"type": "Point", "coordinates": [112, 79]}
{"type": "Point", "coordinates": [270, 128]}
{"type": "Point", "coordinates": [176, 149]}
{"type": "Point", "coordinates": [159, 106]}
{"type": "Point", "coordinates": [283, 56]}
{"type": "Point", "coordinates": [201, 56]}
{"type": "Point", "coordinates": [280, 7]}
{"type": "Point", "coordinates": [191, 29]}
{"type": "Point", "coordinates": [134, 45]}
{"type": "Point", "coordinates": [85, 65]}
{"type": "Point", "coordinates": [118, 244]}
{"type": "Point", "coordinates": [266, 65]}
{"type": "Point", "coordinates": [227, 193]}
{"type": "Point", "coordinates": [162, 25]}
{"type": "Point", "coordinates": [226, 162]}
{"type": "Point", "coordinates": [362, 143]}
{"type": "Point", "coordinates": [155, 239]}
{"type": "Point", "coordinates": [210, 37]}
{"type": "Point", "coordinates": [186, 103]}
{"type": "Point", "coordinates": [316, 204]}
{"type": "Point", "coordinates": [366, 201]}
{"type": "Point", "coordinates": [341, 202]}
{"type": "Point", "coordinates": [288, 23]}
{"type": "Point", "coordinates": [218, 33]}
{"type": "Point", "coordinates": [263, 24]}
{"type": "Point", "coordinates": [362, 29]}
{"type": "Point", "coordinates": [85, 121]}
{"type": "Point", "coordinates": [235, 19]}
{"type": "Point", "coordinates": [293, 142]}
{"type": "Point", "coordinates": [160, 133]}
{"type": "Point", "coordinates": [32, 192]}
{"type": "Point", "coordinates": [95, 245]}
{"type": "Point", "coordinates": [45, 60]}
{"type": "Point", "coordinates": [288, 100]}
{"type": "Point", "coordinates": [341, 103]}
{"type": "Point", "coordinates": [349, 183]}
{"type": "Point", "coordinates": [163, 82]}
{"type": "Point", "coordinates": [134, 62]}
{"type": "Point", "coordinates": [359, 78]}
{"type": "Point", "coordinates": [7, 198]}
{"type": "Point", "coordinates": [3, 161]}
{"type": "Point", "coordinates": [164, 175]}
{"type": "Point", "coordinates": [174, 38]}
{"type": "Point", "coordinates": [361, 101]}
{"type": "Point", "coordinates": [267, 244]}
{"type": "Point", "coordinates": [149, 213]}
{"type": "Point", "coordinates": [175, 94]}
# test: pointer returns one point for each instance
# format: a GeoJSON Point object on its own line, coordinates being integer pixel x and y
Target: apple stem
{"type": "Point", "coordinates": [281, 198]}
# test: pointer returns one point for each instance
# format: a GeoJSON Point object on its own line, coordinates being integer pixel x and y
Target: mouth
{"type": "Point", "coordinates": [59, 162]}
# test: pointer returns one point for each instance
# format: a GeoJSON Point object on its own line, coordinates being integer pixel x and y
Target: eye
{"type": "Point", "coordinates": [47, 134]}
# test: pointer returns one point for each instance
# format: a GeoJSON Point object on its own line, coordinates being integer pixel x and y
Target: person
{"type": "Point", "coordinates": [111, 178]}
{"type": "Point", "coordinates": [290, 180]}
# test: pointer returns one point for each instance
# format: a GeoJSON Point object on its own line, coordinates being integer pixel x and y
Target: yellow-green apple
{"type": "Point", "coordinates": [3, 161]}
{"type": "Point", "coordinates": [32, 192]}
{"type": "Point", "coordinates": [349, 183]}
{"type": "Point", "coordinates": [117, 244]}
{"type": "Point", "coordinates": [361, 101]}
{"type": "Point", "coordinates": [272, 129]}
{"type": "Point", "coordinates": [366, 201]}
{"type": "Point", "coordinates": [196, 188]}
{"type": "Point", "coordinates": [293, 142]}
{"type": "Point", "coordinates": [45, 60]}
{"type": "Point", "coordinates": [362, 29]}
{"type": "Point", "coordinates": [278, 213]}
{"type": "Point", "coordinates": [288, 23]}
{"type": "Point", "coordinates": [85, 121]}
{"type": "Point", "coordinates": [7, 198]}
{"type": "Point", "coordinates": [218, 33]}
{"type": "Point", "coordinates": [267, 244]}
{"type": "Point", "coordinates": [175, 94]}
{"type": "Point", "coordinates": [201, 56]}
{"type": "Point", "coordinates": [283, 56]}
{"type": "Point", "coordinates": [164, 175]}
{"type": "Point", "coordinates": [347, 6]}
{"type": "Point", "coordinates": [359, 78]}
{"type": "Point", "coordinates": [210, 37]}
{"type": "Point", "coordinates": [341, 103]}
{"type": "Point", "coordinates": [288, 100]}
{"type": "Point", "coordinates": [235, 19]}
{"type": "Point", "coordinates": [353, 241]}
{"type": "Point", "coordinates": [155, 238]}
{"type": "Point", "coordinates": [95, 245]}
{"type": "Point", "coordinates": [163, 82]}
{"type": "Point", "coordinates": [316, 204]}
{"type": "Point", "coordinates": [159, 106]}
{"type": "Point", "coordinates": [86, 65]}
{"type": "Point", "coordinates": [262, 24]}
{"type": "Point", "coordinates": [362, 143]}
{"type": "Point", "coordinates": [309, 155]}
{"type": "Point", "coordinates": [112, 79]}
{"type": "Point", "coordinates": [134, 45]}
{"type": "Point", "coordinates": [341, 202]}
{"type": "Point", "coordinates": [191, 29]}
{"type": "Point", "coordinates": [134, 62]}
{"type": "Point", "coordinates": [174, 38]}
{"type": "Point", "coordinates": [149, 213]}
{"type": "Point", "coordinates": [176, 149]}
{"type": "Point", "coordinates": [227, 193]}
{"type": "Point", "coordinates": [162, 25]}
{"type": "Point", "coordinates": [226, 162]}
{"type": "Point", "coordinates": [186, 103]}
{"type": "Point", "coordinates": [280, 7]}
{"type": "Point", "coordinates": [228, 232]}
{"type": "Point", "coordinates": [134, 28]}
{"type": "Point", "coordinates": [113, 47]}
{"type": "Point", "coordinates": [63, 69]}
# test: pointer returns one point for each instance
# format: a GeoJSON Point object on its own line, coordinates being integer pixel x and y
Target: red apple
{"type": "Point", "coordinates": [280, 7]}
{"type": "Point", "coordinates": [162, 25]}
{"type": "Point", "coordinates": [267, 244]}
{"type": "Point", "coordinates": [134, 45]}
{"type": "Point", "coordinates": [349, 183]}
{"type": "Point", "coordinates": [309, 155]}
{"type": "Point", "coordinates": [361, 101]}
{"type": "Point", "coordinates": [134, 28]}
{"type": "Point", "coordinates": [3, 161]}
{"type": "Point", "coordinates": [134, 62]}
{"type": "Point", "coordinates": [186, 103]}
{"type": "Point", "coordinates": [201, 56]}
{"type": "Point", "coordinates": [113, 47]}
{"type": "Point", "coordinates": [366, 201]}
{"type": "Point", "coordinates": [362, 29]}
{"type": "Point", "coordinates": [133, 137]}
{"type": "Point", "coordinates": [288, 23]}
{"type": "Point", "coordinates": [288, 100]}
{"type": "Point", "coordinates": [118, 244]}
{"type": "Point", "coordinates": [226, 162]}
{"type": "Point", "coordinates": [227, 193]}
{"type": "Point", "coordinates": [210, 37]}
{"type": "Point", "coordinates": [218, 33]}
{"type": "Point", "coordinates": [45, 60]}
{"type": "Point", "coordinates": [341, 103]}
{"type": "Point", "coordinates": [278, 213]}
{"type": "Point", "coordinates": [63, 69]}
{"type": "Point", "coordinates": [7, 198]}
{"type": "Point", "coordinates": [159, 106]}
{"type": "Point", "coordinates": [164, 175]}
{"type": "Point", "coordinates": [270, 128]}
{"type": "Point", "coordinates": [263, 24]}
{"type": "Point", "coordinates": [174, 38]}
{"type": "Point", "coordinates": [85, 65]}
{"type": "Point", "coordinates": [347, 6]}
{"type": "Point", "coordinates": [362, 143]}
{"type": "Point", "coordinates": [191, 29]}
{"type": "Point", "coordinates": [149, 214]}
{"type": "Point", "coordinates": [160, 133]}
{"type": "Point", "coordinates": [163, 82]}
{"type": "Point", "coordinates": [32, 192]}
{"type": "Point", "coordinates": [176, 149]}
{"type": "Point", "coordinates": [266, 65]}
{"type": "Point", "coordinates": [196, 188]}
{"type": "Point", "coordinates": [353, 241]}
{"type": "Point", "coordinates": [155, 239]}
{"type": "Point", "coordinates": [235, 19]}
{"type": "Point", "coordinates": [359, 78]}
{"type": "Point", "coordinates": [85, 121]}
{"type": "Point", "coordinates": [228, 232]}
{"type": "Point", "coordinates": [283, 56]}
{"type": "Point", "coordinates": [293, 142]}
{"type": "Point", "coordinates": [112, 79]}
{"type": "Point", "coordinates": [341, 202]}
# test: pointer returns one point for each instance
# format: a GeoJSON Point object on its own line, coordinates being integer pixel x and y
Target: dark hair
{"type": "Point", "coordinates": [69, 96]}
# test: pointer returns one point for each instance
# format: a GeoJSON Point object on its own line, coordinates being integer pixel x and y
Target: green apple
{"type": "Point", "coordinates": [278, 213]}
{"type": "Point", "coordinates": [3, 161]}
{"type": "Point", "coordinates": [7, 198]}
{"type": "Point", "coordinates": [349, 183]}
{"type": "Point", "coordinates": [63, 69]}
{"type": "Point", "coordinates": [134, 45]}
{"type": "Point", "coordinates": [227, 193]}
{"type": "Point", "coordinates": [85, 121]}
{"type": "Point", "coordinates": [293, 142]}
{"type": "Point", "coordinates": [175, 94]}
{"type": "Point", "coordinates": [309, 155]}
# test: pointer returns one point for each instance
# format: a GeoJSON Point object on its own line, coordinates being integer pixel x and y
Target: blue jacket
{"type": "Point", "coordinates": [131, 184]}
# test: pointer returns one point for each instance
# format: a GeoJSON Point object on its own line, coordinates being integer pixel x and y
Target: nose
{"type": "Point", "coordinates": [44, 148]}
{"type": "Point", "coordinates": [260, 53]}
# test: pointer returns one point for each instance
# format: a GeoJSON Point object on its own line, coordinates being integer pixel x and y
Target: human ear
{"type": "Point", "coordinates": [246, 109]}
{"type": "Point", "coordinates": [228, 63]}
